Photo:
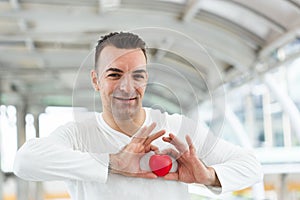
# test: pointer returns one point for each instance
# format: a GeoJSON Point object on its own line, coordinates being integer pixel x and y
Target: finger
{"type": "Point", "coordinates": [167, 139]}
{"type": "Point", "coordinates": [154, 148]}
{"type": "Point", "coordinates": [141, 174]}
{"type": "Point", "coordinates": [172, 139]}
{"type": "Point", "coordinates": [145, 174]}
{"type": "Point", "coordinates": [171, 152]}
{"type": "Point", "coordinates": [151, 148]}
{"type": "Point", "coordinates": [154, 136]}
{"type": "Point", "coordinates": [138, 137]}
{"type": "Point", "coordinates": [171, 176]}
{"type": "Point", "coordinates": [190, 143]}
{"type": "Point", "coordinates": [149, 130]}
{"type": "Point", "coordinates": [142, 135]}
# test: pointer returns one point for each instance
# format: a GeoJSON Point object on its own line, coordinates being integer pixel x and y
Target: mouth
{"type": "Point", "coordinates": [126, 98]}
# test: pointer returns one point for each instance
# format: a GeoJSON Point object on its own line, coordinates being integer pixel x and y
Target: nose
{"type": "Point", "coordinates": [127, 84]}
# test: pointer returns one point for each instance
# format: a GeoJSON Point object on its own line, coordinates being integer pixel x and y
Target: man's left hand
{"type": "Point", "coordinates": [190, 168]}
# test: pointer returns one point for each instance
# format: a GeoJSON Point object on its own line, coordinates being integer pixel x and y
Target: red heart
{"type": "Point", "coordinates": [160, 164]}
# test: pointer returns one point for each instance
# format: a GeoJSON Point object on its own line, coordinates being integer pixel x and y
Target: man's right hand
{"type": "Point", "coordinates": [127, 161]}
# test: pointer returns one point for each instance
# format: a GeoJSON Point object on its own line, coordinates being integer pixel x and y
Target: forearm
{"type": "Point", "coordinates": [235, 167]}
{"type": "Point", "coordinates": [41, 160]}
{"type": "Point", "coordinates": [239, 173]}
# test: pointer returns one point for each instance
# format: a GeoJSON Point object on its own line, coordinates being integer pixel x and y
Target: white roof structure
{"type": "Point", "coordinates": [195, 46]}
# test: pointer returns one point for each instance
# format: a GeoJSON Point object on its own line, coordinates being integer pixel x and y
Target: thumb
{"type": "Point", "coordinates": [171, 176]}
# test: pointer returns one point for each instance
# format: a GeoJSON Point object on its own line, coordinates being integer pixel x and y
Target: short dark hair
{"type": "Point", "coordinates": [122, 40]}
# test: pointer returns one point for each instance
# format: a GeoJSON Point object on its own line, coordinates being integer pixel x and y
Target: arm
{"type": "Point", "coordinates": [223, 165]}
{"type": "Point", "coordinates": [53, 158]}
{"type": "Point", "coordinates": [236, 168]}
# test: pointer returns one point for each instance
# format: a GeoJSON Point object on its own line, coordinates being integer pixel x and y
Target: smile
{"type": "Point", "coordinates": [126, 98]}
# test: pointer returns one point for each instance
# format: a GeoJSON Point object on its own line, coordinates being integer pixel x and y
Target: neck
{"type": "Point", "coordinates": [126, 126]}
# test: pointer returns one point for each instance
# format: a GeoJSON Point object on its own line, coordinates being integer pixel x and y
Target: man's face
{"type": "Point", "coordinates": [122, 80]}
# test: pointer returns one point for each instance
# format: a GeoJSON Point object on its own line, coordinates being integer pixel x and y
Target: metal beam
{"type": "Point", "coordinates": [242, 135]}
{"type": "Point", "coordinates": [202, 32]}
{"type": "Point", "coordinates": [238, 128]}
{"type": "Point", "coordinates": [14, 4]}
{"type": "Point", "coordinates": [267, 119]}
{"type": "Point", "coordinates": [279, 42]}
{"type": "Point", "coordinates": [190, 10]}
{"type": "Point", "coordinates": [101, 7]}
{"type": "Point", "coordinates": [294, 3]}
{"type": "Point", "coordinates": [105, 5]}
{"type": "Point", "coordinates": [286, 102]}
{"type": "Point", "coordinates": [163, 48]}
{"type": "Point", "coordinates": [268, 20]}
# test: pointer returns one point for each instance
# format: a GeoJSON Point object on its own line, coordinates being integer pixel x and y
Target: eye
{"type": "Point", "coordinates": [138, 76]}
{"type": "Point", "coordinates": [114, 75]}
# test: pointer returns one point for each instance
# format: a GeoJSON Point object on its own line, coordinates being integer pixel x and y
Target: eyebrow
{"type": "Point", "coordinates": [114, 70]}
{"type": "Point", "coordinates": [140, 71]}
{"type": "Point", "coordinates": [120, 71]}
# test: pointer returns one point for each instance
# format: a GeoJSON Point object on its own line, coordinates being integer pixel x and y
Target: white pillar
{"type": "Point", "coordinates": [267, 119]}
{"type": "Point", "coordinates": [238, 128]}
{"type": "Point", "coordinates": [22, 186]}
{"type": "Point", "coordinates": [285, 101]}
{"type": "Point", "coordinates": [39, 190]}
{"type": "Point", "coordinates": [258, 190]}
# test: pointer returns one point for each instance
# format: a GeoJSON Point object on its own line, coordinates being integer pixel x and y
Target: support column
{"type": "Point", "coordinates": [250, 120]}
{"type": "Point", "coordinates": [39, 191]}
{"type": "Point", "coordinates": [1, 173]}
{"type": "Point", "coordinates": [267, 119]}
{"type": "Point", "coordinates": [283, 192]}
{"type": "Point", "coordinates": [238, 128]}
{"type": "Point", "coordinates": [286, 102]}
{"type": "Point", "coordinates": [287, 133]}
{"type": "Point", "coordinates": [22, 186]}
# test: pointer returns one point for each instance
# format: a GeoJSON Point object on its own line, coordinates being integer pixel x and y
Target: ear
{"type": "Point", "coordinates": [95, 80]}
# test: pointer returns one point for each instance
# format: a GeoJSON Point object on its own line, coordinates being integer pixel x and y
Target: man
{"type": "Point", "coordinates": [107, 156]}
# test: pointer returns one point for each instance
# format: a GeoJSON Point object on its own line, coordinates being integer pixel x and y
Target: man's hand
{"type": "Point", "coordinates": [127, 161]}
{"type": "Point", "coordinates": [190, 168]}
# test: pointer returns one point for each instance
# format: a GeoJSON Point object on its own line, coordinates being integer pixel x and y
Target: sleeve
{"type": "Point", "coordinates": [236, 168]}
{"type": "Point", "coordinates": [54, 158]}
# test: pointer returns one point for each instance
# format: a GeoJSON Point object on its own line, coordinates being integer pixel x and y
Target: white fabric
{"type": "Point", "coordinates": [78, 153]}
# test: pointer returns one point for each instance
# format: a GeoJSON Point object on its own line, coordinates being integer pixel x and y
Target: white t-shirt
{"type": "Point", "coordinates": [78, 153]}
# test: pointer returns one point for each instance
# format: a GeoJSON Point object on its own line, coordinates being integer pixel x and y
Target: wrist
{"type": "Point", "coordinates": [112, 164]}
{"type": "Point", "coordinates": [213, 180]}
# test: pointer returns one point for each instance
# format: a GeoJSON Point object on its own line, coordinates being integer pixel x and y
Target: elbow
{"type": "Point", "coordinates": [25, 162]}
{"type": "Point", "coordinates": [21, 164]}
{"type": "Point", "coordinates": [259, 173]}
{"type": "Point", "coordinates": [256, 169]}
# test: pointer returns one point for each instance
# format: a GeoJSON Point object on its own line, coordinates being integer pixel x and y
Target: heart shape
{"type": "Point", "coordinates": [160, 164]}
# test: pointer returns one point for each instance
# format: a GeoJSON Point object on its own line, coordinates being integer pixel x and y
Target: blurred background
{"type": "Point", "coordinates": [233, 63]}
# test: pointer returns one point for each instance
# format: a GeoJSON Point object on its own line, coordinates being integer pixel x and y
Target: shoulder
{"type": "Point", "coordinates": [172, 121]}
{"type": "Point", "coordinates": [78, 131]}
{"type": "Point", "coordinates": [178, 123]}
{"type": "Point", "coordinates": [79, 124]}
{"type": "Point", "coordinates": [158, 114]}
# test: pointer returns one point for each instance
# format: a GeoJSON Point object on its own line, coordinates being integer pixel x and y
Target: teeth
{"type": "Point", "coordinates": [125, 98]}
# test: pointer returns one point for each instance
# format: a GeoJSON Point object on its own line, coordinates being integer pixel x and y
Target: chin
{"type": "Point", "coordinates": [125, 112]}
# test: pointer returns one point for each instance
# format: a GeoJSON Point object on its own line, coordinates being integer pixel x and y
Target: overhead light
{"type": "Point", "coordinates": [281, 55]}
{"type": "Point", "coordinates": [261, 67]}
